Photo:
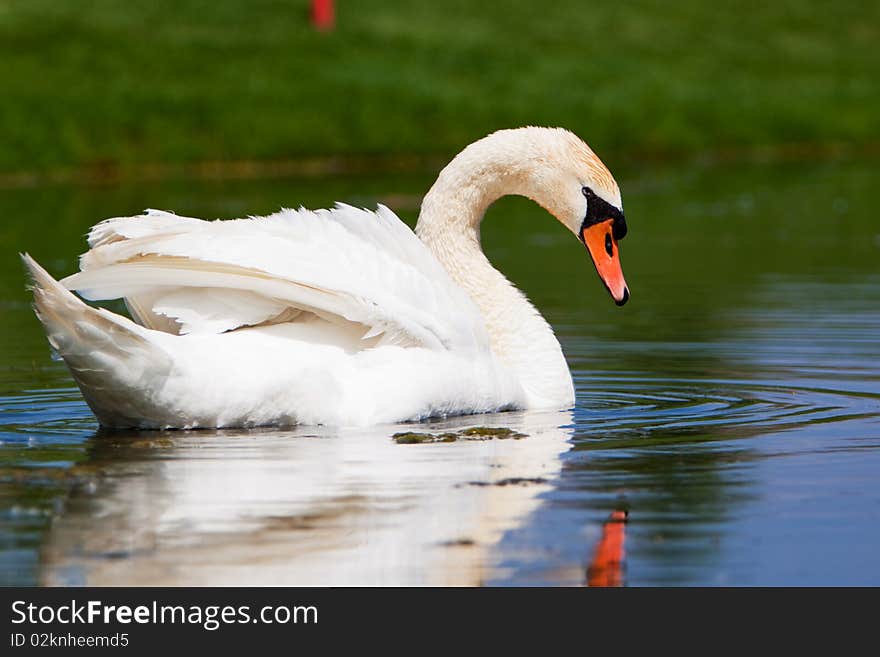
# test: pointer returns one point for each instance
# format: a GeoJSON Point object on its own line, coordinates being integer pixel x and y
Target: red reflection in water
{"type": "Point", "coordinates": [606, 567]}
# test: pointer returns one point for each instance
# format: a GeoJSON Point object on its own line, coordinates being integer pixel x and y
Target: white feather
{"type": "Point", "coordinates": [343, 264]}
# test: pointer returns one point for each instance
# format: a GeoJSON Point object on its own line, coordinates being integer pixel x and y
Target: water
{"type": "Point", "coordinates": [732, 409]}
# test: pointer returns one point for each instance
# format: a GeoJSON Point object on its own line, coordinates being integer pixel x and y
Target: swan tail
{"type": "Point", "coordinates": [109, 356]}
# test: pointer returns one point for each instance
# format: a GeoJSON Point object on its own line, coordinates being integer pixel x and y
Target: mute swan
{"type": "Point", "coordinates": [342, 316]}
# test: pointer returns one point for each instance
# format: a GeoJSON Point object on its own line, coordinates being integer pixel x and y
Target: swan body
{"type": "Point", "coordinates": [341, 317]}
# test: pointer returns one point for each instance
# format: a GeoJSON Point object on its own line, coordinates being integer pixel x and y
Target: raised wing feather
{"type": "Point", "coordinates": [344, 265]}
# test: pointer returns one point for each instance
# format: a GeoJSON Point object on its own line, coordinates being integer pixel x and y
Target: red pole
{"type": "Point", "coordinates": [322, 14]}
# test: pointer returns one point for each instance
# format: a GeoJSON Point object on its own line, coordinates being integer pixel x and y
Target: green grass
{"type": "Point", "coordinates": [99, 83]}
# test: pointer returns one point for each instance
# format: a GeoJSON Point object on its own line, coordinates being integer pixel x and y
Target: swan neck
{"type": "Point", "coordinates": [449, 225]}
{"type": "Point", "coordinates": [477, 177]}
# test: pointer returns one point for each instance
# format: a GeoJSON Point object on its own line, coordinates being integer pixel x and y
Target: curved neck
{"type": "Point", "coordinates": [449, 225]}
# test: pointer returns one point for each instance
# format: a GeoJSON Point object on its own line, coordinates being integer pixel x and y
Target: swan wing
{"type": "Point", "coordinates": [345, 265]}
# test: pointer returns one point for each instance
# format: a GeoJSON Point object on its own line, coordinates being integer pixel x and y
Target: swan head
{"type": "Point", "coordinates": [567, 178]}
{"type": "Point", "coordinates": [551, 166]}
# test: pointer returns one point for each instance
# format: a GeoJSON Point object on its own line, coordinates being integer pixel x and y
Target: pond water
{"type": "Point", "coordinates": [731, 409]}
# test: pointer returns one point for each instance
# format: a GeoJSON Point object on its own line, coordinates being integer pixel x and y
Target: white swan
{"type": "Point", "coordinates": [343, 316]}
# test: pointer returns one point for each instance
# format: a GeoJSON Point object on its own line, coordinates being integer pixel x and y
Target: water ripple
{"type": "Point", "coordinates": [615, 404]}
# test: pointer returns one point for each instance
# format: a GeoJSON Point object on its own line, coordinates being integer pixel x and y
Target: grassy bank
{"type": "Point", "coordinates": [107, 83]}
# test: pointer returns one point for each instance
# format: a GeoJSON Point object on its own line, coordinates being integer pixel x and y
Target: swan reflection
{"type": "Point", "coordinates": [307, 506]}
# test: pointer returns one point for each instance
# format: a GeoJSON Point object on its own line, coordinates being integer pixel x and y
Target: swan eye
{"type": "Point", "coordinates": [609, 248]}
{"type": "Point", "coordinates": [586, 191]}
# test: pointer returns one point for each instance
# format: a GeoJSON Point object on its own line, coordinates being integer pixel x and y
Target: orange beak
{"type": "Point", "coordinates": [599, 239]}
